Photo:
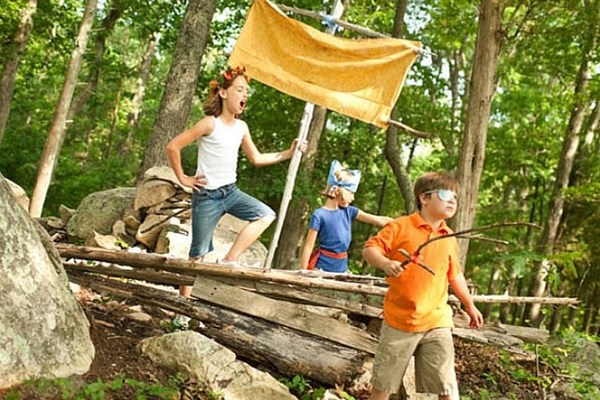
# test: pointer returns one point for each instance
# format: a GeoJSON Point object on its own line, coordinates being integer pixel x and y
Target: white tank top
{"type": "Point", "coordinates": [218, 153]}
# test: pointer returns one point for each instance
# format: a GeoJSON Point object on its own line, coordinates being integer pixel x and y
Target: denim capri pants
{"type": "Point", "coordinates": [208, 206]}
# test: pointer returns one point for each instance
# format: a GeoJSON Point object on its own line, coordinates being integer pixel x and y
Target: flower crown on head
{"type": "Point", "coordinates": [229, 75]}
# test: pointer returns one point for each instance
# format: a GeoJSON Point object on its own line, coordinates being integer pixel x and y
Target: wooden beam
{"type": "Point", "coordinates": [347, 25]}
{"type": "Point", "coordinates": [295, 316]}
{"type": "Point", "coordinates": [306, 279]}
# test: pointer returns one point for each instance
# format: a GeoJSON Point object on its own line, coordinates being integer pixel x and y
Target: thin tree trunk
{"type": "Point", "coordinates": [393, 147]}
{"type": "Point", "coordinates": [565, 165]}
{"type": "Point", "coordinates": [591, 310]}
{"type": "Point", "coordinates": [57, 131]}
{"type": "Point", "coordinates": [113, 122]}
{"type": "Point", "coordinates": [176, 103]}
{"type": "Point", "coordinates": [507, 312]}
{"type": "Point", "coordinates": [106, 28]}
{"type": "Point", "coordinates": [481, 92]}
{"type": "Point", "coordinates": [11, 64]}
{"type": "Point", "coordinates": [555, 319]}
{"type": "Point", "coordinates": [494, 278]}
{"type": "Point", "coordinates": [142, 82]}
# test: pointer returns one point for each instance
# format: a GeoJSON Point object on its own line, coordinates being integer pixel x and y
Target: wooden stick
{"type": "Point", "coordinates": [289, 183]}
{"type": "Point", "coordinates": [408, 129]}
{"type": "Point", "coordinates": [476, 229]}
{"type": "Point", "coordinates": [347, 25]}
{"type": "Point", "coordinates": [188, 268]}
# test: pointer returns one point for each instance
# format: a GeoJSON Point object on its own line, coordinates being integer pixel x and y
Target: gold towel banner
{"type": "Point", "coordinates": [361, 78]}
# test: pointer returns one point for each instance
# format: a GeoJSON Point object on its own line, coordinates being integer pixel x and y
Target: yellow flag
{"type": "Point", "coordinates": [360, 78]}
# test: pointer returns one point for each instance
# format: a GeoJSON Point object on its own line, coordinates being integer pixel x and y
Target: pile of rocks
{"type": "Point", "coordinates": [154, 217]}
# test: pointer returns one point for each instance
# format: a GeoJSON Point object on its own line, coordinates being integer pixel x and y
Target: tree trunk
{"type": "Point", "coordinates": [494, 278]}
{"type": "Point", "coordinates": [142, 82]}
{"type": "Point", "coordinates": [114, 120]}
{"type": "Point", "coordinates": [393, 148]}
{"type": "Point", "coordinates": [565, 166]}
{"type": "Point", "coordinates": [11, 63]}
{"type": "Point", "coordinates": [507, 311]}
{"type": "Point", "coordinates": [591, 311]}
{"type": "Point", "coordinates": [106, 28]}
{"type": "Point", "coordinates": [56, 135]}
{"type": "Point", "coordinates": [176, 103]}
{"type": "Point", "coordinates": [481, 93]}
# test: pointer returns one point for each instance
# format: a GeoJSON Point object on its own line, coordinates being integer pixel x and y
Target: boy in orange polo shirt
{"type": "Point", "coordinates": [417, 317]}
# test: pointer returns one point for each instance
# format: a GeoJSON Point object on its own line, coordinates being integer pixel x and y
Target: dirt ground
{"type": "Point", "coordinates": [120, 372]}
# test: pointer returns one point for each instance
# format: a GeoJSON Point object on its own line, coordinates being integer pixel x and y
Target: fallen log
{"type": "Point", "coordinates": [353, 303]}
{"type": "Point", "coordinates": [185, 267]}
{"type": "Point", "coordinates": [357, 304]}
{"type": "Point", "coordinates": [157, 277]}
{"type": "Point", "coordinates": [286, 350]}
{"type": "Point", "coordinates": [308, 279]}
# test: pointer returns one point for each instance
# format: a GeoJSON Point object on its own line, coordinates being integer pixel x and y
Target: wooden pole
{"type": "Point", "coordinates": [338, 9]}
{"type": "Point", "coordinates": [289, 183]}
{"type": "Point", "coordinates": [307, 279]}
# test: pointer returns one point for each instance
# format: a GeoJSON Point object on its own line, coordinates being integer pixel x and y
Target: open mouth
{"type": "Point", "coordinates": [243, 104]}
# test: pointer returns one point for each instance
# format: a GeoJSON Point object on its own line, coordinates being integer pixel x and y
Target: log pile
{"type": "Point", "coordinates": [322, 326]}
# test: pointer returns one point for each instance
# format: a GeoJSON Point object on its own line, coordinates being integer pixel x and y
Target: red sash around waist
{"type": "Point", "coordinates": [314, 256]}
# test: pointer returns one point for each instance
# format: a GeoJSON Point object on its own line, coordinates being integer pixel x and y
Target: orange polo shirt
{"type": "Point", "coordinates": [417, 301]}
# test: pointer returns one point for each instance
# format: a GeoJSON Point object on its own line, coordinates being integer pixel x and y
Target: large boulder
{"type": "Point", "coordinates": [215, 366]}
{"type": "Point", "coordinates": [43, 330]}
{"type": "Point", "coordinates": [99, 211]}
{"type": "Point", "coordinates": [19, 193]}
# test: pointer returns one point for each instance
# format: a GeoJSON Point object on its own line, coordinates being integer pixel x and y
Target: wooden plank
{"type": "Point", "coordinates": [355, 305]}
{"type": "Point", "coordinates": [283, 313]}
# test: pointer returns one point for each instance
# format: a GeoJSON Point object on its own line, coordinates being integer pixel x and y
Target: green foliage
{"type": "Point", "coordinates": [65, 389]}
{"type": "Point", "coordinates": [302, 388]}
{"type": "Point", "coordinates": [566, 353]}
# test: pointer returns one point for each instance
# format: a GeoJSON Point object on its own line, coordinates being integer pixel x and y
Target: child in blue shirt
{"type": "Point", "coordinates": [332, 223]}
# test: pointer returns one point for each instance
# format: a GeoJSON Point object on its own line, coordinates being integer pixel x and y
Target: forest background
{"type": "Point", "coordinates": [514, 114]}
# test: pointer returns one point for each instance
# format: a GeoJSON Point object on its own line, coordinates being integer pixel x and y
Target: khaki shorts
{"type": "Point", "coordinates": [434, 360]}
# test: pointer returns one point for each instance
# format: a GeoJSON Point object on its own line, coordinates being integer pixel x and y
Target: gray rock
{"type": "Point", "coordinates": [43, 330]}
{"type": "Point", "coordinates": [203, 359]}
{"type": "Point", "coordinates": [19, 193]}
{"type": "Point", "coordinates": [99, 211]}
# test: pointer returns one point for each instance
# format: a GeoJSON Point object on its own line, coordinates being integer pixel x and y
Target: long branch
{"type": "Point", "coordinates": [476, 229]}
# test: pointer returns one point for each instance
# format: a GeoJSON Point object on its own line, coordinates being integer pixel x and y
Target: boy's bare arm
{"type": "Point", "coordinates": [376, 258]}
{"type": "Point", "coordinates": [461, 290]}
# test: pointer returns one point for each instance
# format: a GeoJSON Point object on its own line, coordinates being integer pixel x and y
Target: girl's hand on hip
{"type": "Point", "coordinates": [195, 182]}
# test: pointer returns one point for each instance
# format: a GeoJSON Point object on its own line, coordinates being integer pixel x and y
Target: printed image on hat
{"type": "Point", "coordinates": [343, 177]}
